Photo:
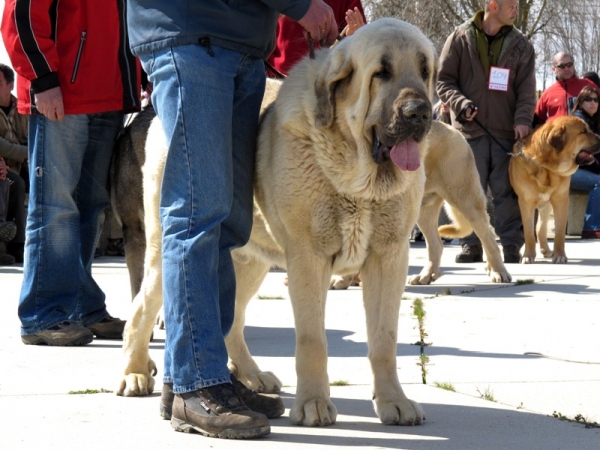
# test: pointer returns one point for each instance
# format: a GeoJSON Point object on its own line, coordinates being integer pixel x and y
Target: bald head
{"type": "Point", "coordinates": [561, 55]}
{"type": "Point", "coordinates": [487, 7]}
{"type": "Point", "coordinates": [563, 66]}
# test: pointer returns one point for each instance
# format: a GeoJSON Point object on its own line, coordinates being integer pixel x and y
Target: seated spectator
{"type": "Point", "coordinates": [7, 229]}
{"type": "Point", "coordinates": [13, 150]}
{"type": "Point", "coordinates": [587, 178]}
{"type": "Point", "coordinates": [291, 45]}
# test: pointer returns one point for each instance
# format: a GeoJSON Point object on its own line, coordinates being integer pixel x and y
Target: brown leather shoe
{"type": "Point", "coordinates": [64, 334]}
{"type": "Point", "coordinates": [217, 411]}
{"type": "Point", "coordinates": [470, 254]}
{"type": "Point", "coordinates": [268, 404]}
{"type": "Point", "coordinates": [108, 328]}
{"type": "Point", "coordinates": [166, 401]}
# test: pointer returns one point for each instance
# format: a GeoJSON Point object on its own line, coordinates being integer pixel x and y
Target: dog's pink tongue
{"type": "Point", "coordinates": [406, 155]}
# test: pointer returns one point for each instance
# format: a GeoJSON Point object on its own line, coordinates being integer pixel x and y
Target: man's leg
{"type": "Point", "coordinates": [92, 198]}
{"type": "Point", "coordinates": [51, 284]}
{"type": "Point", "coordinates": [508, 223]}
{"type": "Point", "coordinates": [471, 245]}
{"type": "Point", "coordinates": [194, 96]}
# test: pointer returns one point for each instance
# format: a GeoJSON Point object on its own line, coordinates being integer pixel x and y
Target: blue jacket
{"type": "Point", "coordinates": [245, 26]}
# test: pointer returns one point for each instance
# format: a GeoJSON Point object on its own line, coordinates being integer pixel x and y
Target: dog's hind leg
{"type": "Point", "coordinates": [138, 377]}
{"type": "Point", "coordinates": [475, 213]}
{"type": "Point", "coordinates": [249, 275]}
{"type": "Point", "coordinates": [428, 224]}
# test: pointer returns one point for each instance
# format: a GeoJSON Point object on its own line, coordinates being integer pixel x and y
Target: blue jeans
{"type": "Point", "coordinates": [585, 180]}
{"type": "Point", "coordinates": [69, 163]}
{"type": "Point", "coordinates": [208, 106]}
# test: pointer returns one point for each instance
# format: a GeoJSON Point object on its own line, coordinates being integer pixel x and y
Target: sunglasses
{"type": "Point", "coordinates": [562, 66]}
{"type": "Point", "coordinates": [591, 99]}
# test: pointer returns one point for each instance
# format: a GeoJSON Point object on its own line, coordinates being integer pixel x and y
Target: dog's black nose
{"type": "Point", "coordinates": [417, 111]}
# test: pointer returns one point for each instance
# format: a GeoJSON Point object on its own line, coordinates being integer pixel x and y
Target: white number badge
{"type": "Point", "coordinates": [499, 79]}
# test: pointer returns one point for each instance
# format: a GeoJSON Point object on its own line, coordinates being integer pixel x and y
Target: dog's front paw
{"type": "Point", "coordinates": [500, 277]}
{"type": "Point", "coordinates": [399, 412]}
{"type": "Point", "coordinates": [546, 252]}
{"type": "Point", "coordinates": [340, 283]}
{"type": "Point", "coordinates": [559, 259]}
{"type": "Point", "coordinates": [266, 382]}
{"type": "Point", "coordinates": [424, 278]}
{"type": "Point", "coordinates": [528, 259]}
{"type": "Point", "coordinates": [317, 412]}
{"type": "Point", "coordinates": [135, 384]}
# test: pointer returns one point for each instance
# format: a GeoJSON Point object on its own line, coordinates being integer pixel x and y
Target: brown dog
{"type": "Point", "coordinates": [540, 173]}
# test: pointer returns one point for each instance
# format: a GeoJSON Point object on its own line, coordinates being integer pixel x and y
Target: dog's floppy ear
{"type": "Point", "coordinates": [339, 66]}
{"type": "Point", "coordinates": [557, 138]}
{"type": "Point", "coordinates": [434, 77]}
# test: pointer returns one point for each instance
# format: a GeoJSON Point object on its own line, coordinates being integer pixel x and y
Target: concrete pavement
{"type": "Point", "coordinates": [531, 349]}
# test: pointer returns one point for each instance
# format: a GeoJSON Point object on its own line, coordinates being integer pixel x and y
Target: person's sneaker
{"type": "Point", "coordinates": [217, 411]}
{"type": "Point", "coordinates": [268, 404]}
{"type": "Point", "coordinates": [511, 254]}
{"type": "Point", "coordinates": [64, 334]}
{"type": "Point", "coordinates": [8, 230]}
{"type": "Point", "coordinates": [470, 254]}
{"type": "Point", "coordinates": [6, 259]}
{"type": "Point", "coordinates": [108, 328]}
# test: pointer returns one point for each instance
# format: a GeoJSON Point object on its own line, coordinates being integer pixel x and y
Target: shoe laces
{"type": "Point", "coordinates": [224, 398]}
{"type": "Point", "coordinates": [60, 326]}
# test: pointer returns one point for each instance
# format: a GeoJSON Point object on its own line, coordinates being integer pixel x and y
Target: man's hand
{"type": "Point", "coordinates": [50, 104]}
{"type": "Point", "coordinates": [319, 22]}
{"type": "Point", "coordinates": [522, 131]}
{"type": "Point", "coordinates": [3, 169]}
{"type": "Point", "coordinates": [470, 113]}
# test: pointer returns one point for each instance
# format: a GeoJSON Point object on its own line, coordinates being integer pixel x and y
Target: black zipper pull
{"type": "Point", "coordinates": [205, 42]}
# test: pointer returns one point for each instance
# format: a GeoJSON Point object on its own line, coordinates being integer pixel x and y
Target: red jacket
{"type": "Point", "coordinates": [559, 98]}
{"type": "Point", "coordinates": [291, 45]}
{"type": "Point", "coordinates": [79, 45]}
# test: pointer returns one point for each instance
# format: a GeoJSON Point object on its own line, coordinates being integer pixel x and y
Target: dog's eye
{"type": "Point", "coordinates": [384, 74]}
{"type": "Point", "coordinates": [425, 73]}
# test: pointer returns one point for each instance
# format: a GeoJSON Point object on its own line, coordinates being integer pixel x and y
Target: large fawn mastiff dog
{"type": "Point", "coordinates": [338, 187]}
{"type": "Point", "coordinates": [540, 173]}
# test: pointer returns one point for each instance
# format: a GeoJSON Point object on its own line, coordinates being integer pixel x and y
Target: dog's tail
{"type": "Point", "coordinates": [459, 227]}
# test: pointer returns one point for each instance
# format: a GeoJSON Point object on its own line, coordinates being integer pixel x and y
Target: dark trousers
{"type": "Point", "coordinates": [16, 210]}
{"type": "Point", "coordinates": [492, 164]}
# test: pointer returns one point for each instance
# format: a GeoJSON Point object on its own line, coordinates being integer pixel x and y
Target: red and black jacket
{"type": "Point", "coordinates": [80, 45]}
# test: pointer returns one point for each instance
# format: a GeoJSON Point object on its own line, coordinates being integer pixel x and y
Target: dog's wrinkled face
{"type": "Point", "coordinates": [378, 89]}
{"type": "Point", "coordinates": [570, 144]}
